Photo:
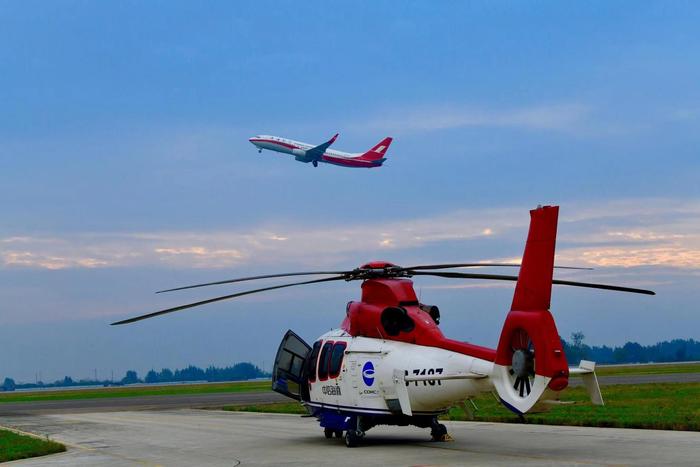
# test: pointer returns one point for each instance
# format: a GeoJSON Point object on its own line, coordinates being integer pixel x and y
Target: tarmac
{"type": "Point", "coordinates": [111, 404]}
{"type": "Point", "coordinates": [188, 437]}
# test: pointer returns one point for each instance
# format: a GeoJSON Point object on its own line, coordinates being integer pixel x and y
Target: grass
{"type": "Point", "coordinates": [184, 389]}
{"type": "Point", "coordinates": [14, 446]}
{"type": "Point", "coordinates": [648, 369]}
{"type": "Point", "coordinates": [674, 406]}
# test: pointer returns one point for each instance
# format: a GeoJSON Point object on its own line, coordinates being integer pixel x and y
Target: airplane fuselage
{"type": "Point", "coordinates": [303, 152]}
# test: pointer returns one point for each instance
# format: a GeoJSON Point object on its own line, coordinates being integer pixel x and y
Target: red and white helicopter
{"type": "Point", "coordinates": [389, 363]}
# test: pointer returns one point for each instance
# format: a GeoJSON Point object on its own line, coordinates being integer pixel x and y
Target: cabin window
{"type": "Point", "coordinates": [313, 360]}
{"type": "Point", "coordinates": [336, 359]}
{"type": "Point", "coordinates": [324, 360]}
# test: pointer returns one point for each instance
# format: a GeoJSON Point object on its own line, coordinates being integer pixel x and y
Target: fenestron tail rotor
{"type": "Point", "coordinates": [522, 368]}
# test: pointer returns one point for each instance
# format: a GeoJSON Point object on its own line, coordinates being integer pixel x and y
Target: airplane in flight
{"type": "Point", "coordinates": [304, 152]}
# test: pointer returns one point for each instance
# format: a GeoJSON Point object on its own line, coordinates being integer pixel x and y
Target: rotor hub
{"type": "Point", "coordinates": [522, 363]}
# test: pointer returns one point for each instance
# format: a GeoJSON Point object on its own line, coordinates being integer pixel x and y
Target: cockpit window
{"type": "Point", "coordinates": [324, 360]}
{"type": "Point", "coordinates": [336, 359]}
{"type": "Point", "coordinates": [313, 360]}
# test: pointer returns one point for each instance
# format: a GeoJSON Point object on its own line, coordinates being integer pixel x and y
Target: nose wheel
{"type": "Point", "coordinates": [315, 163]}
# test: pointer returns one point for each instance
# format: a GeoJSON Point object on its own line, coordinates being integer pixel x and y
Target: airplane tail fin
{"type": "Point", "coordinates": [378, 152]}
{"type": "Point", "coordinates": [530, 362]}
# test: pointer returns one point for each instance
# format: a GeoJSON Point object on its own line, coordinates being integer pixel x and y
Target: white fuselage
{"type": "Point", "coordinates": [359, 389]}
{"type": "Point", "coordinates": [287, 146]}
{"type": "Point", "coordinates": [299, 149]}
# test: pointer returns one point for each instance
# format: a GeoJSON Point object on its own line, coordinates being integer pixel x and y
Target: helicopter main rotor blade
{"type": "Point", "coordinates": [253, 278]}
{"type": "Point", "coordinates": [225, 297]}
{"type": "Point", "coordinates": [465, 275]}
{"type": "Point", "coordinates": [476, 265]}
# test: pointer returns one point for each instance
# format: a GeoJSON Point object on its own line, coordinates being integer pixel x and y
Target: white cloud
{"type": "Point", "coordinates": [559, 117]}
{"type": "Point", "coordinates": [603, 236]}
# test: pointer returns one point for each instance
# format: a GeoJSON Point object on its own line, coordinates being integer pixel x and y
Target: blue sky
{"type": "Point", "coordinates": [125, 166]}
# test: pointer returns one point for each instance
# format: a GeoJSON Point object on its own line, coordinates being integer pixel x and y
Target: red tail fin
{"type": "Point", "coordinates": [534, 288]}
{"type": "Point", "coordinates": [378, 151]}
{"type": "Point", "coordinates": [529, 334]}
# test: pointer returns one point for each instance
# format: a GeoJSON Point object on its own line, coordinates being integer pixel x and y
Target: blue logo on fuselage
{"type": "Point", "coordinates": [368, 373]}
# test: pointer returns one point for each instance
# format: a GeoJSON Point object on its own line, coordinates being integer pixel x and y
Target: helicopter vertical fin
{"type": "Point", "coordinates": [530, 359]}
{"type": "Point", "coordinates": [534, 288]}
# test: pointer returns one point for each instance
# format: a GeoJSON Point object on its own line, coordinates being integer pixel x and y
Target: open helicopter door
{"type": "Point", "coordinates": [287, 374]}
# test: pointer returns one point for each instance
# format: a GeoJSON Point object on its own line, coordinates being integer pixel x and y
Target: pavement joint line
{"type": "Point", "coordinates": [53, 456]}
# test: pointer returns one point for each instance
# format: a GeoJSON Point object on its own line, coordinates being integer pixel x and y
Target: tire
{"type": "Point", "coordinates": [438, 432]}
{"type": "Point", "coordinates": [352, 440]}
{"type": "Point", "coordinates": [328, 433]}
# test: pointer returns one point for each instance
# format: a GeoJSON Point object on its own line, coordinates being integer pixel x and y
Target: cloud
{"type": "Point", "coordinates": [623, 234]}
{"type": "Point", "coordinates": [557, 117]}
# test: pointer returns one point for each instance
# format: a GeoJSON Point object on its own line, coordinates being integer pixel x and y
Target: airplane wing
{"type": "Point", "coordinates": [315, 153]}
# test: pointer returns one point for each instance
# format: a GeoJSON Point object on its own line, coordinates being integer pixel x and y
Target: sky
{"type": "Point", "coordinates": [125, 168]}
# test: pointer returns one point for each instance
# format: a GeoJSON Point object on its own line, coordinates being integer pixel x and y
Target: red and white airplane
{"type": "Point", "coordinates": [304, 152]}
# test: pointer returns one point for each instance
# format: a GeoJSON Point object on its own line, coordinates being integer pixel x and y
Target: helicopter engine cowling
{"type": "Point", "coordinates": [529, 360]}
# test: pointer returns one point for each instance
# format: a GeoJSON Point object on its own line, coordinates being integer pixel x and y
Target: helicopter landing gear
{"type": "Point", "coordinates": [353, 437]}
{"type": "Point", "coordinates": [315, 163]}
{"type": "Point", "coordinates": [438, 432]}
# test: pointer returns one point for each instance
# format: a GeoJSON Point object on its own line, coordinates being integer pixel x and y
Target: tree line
{"type": "Point", "coordinates": [676, 350]}
{"type": "Point", "coordinates": [238, 372]}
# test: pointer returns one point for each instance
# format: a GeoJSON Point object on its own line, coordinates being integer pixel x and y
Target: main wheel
{"type": "Point", "coordinates": [338, 433]}
{"type": "Point", "coordinates": [438, 432]}
{"type": "Point", "coordinates": [328, 433]}
{"type": "Point", "coordinates": [352, 439]}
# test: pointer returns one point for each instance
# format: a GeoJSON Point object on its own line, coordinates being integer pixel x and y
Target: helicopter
{"type": "Point", "coordinates": [390, 364]}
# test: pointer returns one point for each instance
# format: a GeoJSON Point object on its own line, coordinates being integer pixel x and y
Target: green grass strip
{"type": "Point", "coordinates": [645, 369]}
{"type": "Point", "coordinates": [673, 406]}
{"type": "Point", "coordinates": [14, 446]}
{"type": "Point", "coordinates": [97, 393]}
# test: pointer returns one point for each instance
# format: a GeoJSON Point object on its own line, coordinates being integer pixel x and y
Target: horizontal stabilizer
{"type": "Point", "coordinates": [586, 369]}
